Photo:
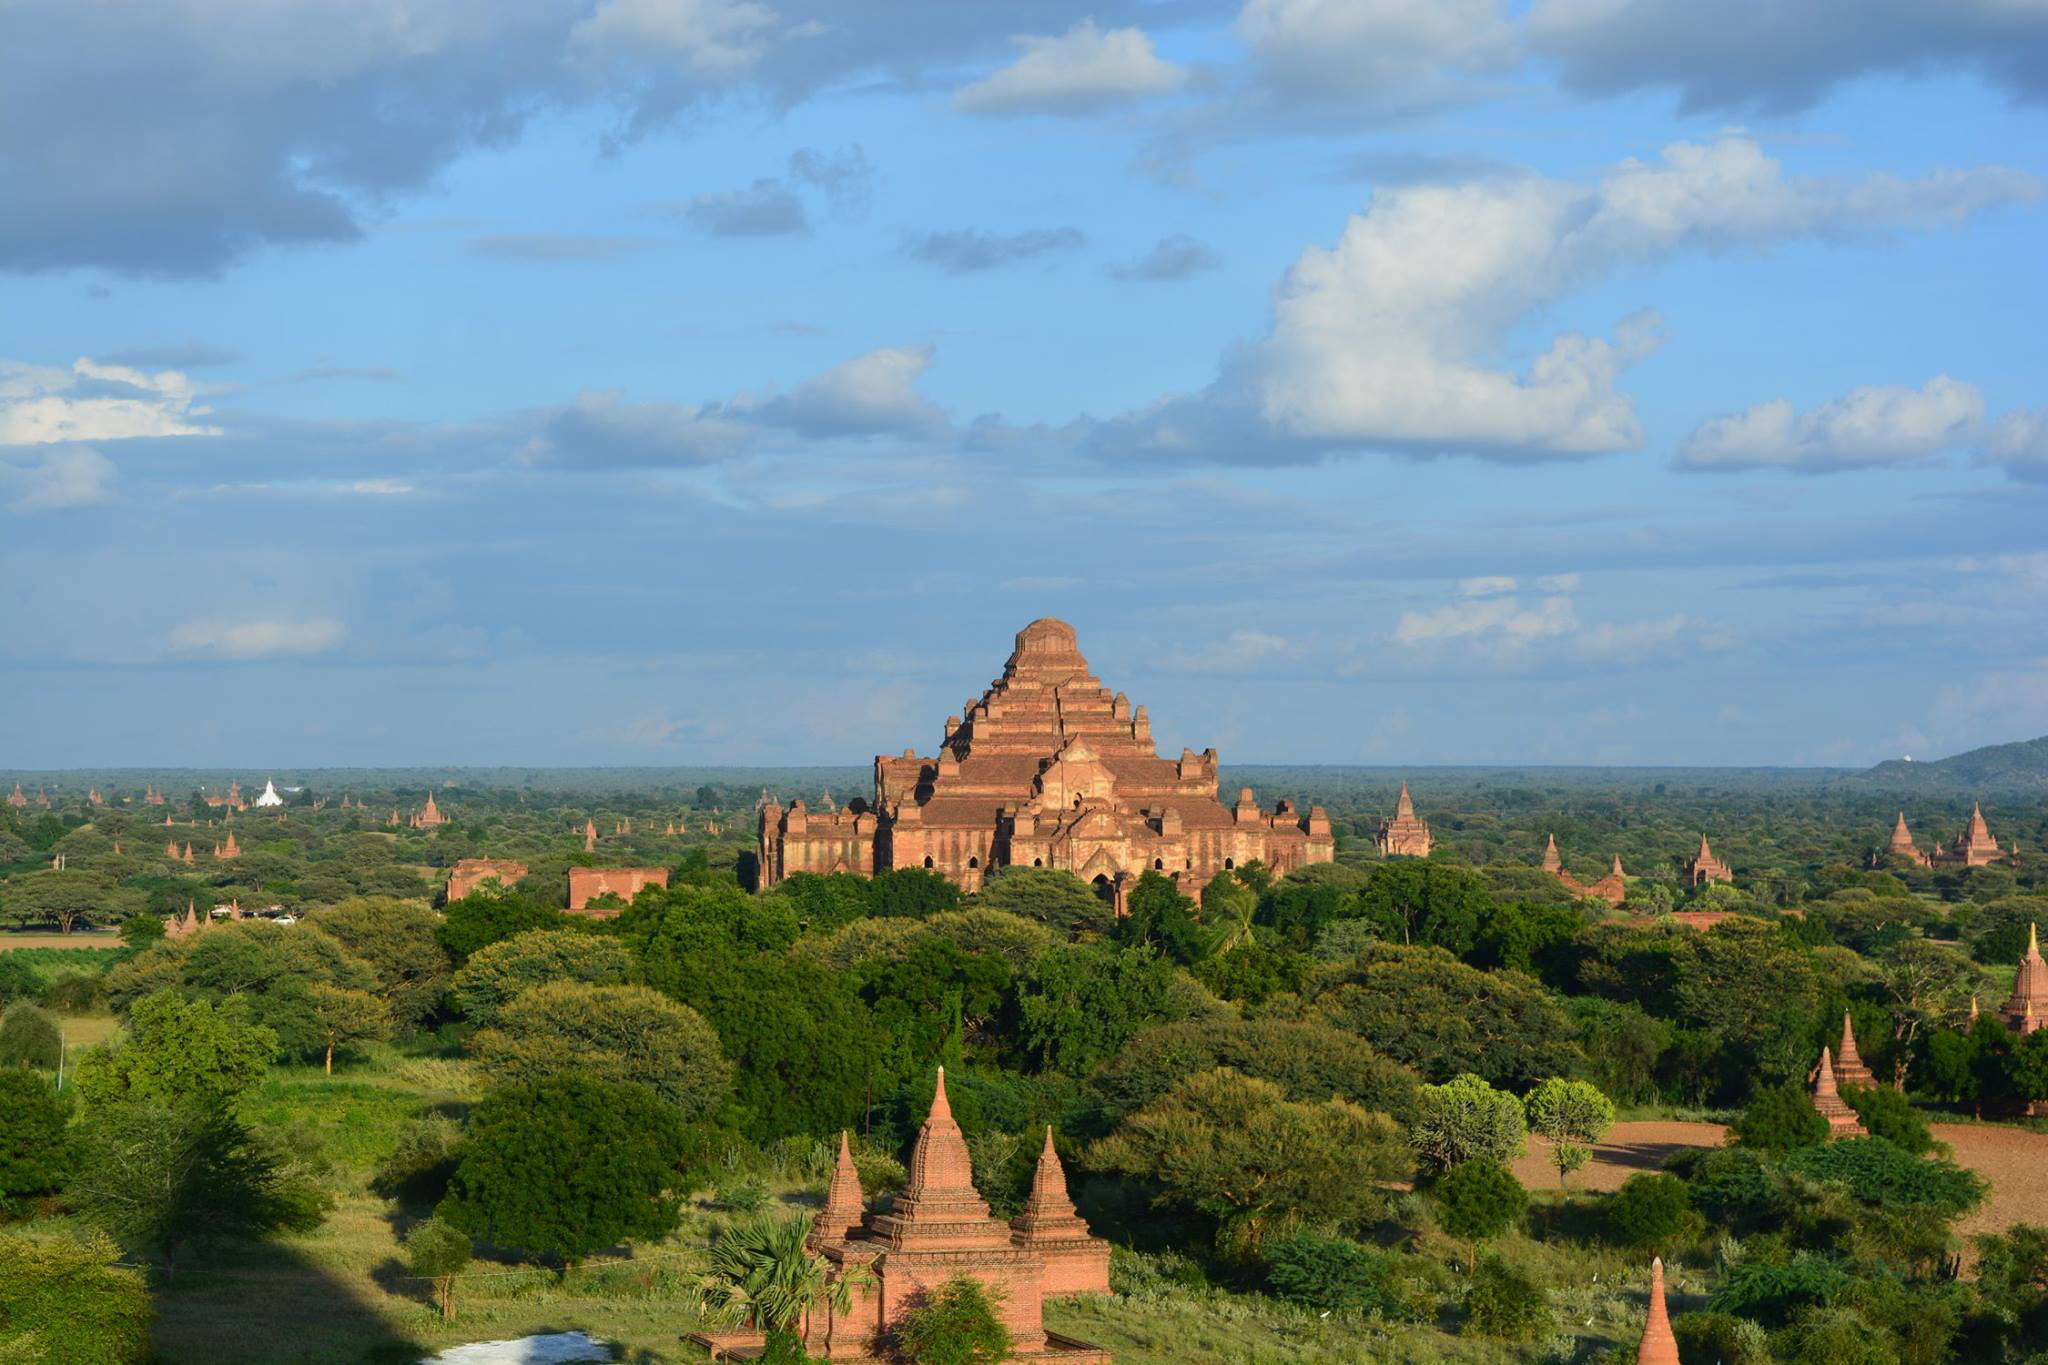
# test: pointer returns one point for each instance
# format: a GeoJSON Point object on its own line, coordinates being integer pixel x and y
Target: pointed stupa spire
{"type": "Point", "coordinates": [1551, 860]}
{"type": "Point", "coordinates": [1049, 1183]}
{"type": "Point", "coordinates": [1658, 1346]}
{"type": "Point", "coordinates": [1849, 1065]}
{"type": "Point", "coordinates": [939, 1204]}
{"type": "Point", "coordinates": [840, 1219]}
{"type": "Point", "coordinates": [589, 835]}
{"type": "Point", "coordinates": [1404, 808]}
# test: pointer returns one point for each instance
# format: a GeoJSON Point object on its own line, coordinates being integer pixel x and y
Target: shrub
{"type": "Point", "coordinates": [1882, 1173]}
{"type": "Point", "coordinates": [30, 1037]}
{"type": "Point", "coordinates": [33, 1152]}
{"type": "Point", "coordinates": [956, 1325]}
{"type": "Point", "coordinates": [1652, 1211]}
{"type": "Point", "coordinates": [1333, 1273]}
{"type": "Point", "coordinates": [1780, 1119]}
{"type": "Point", "coordinates": [1722, 1338]}
{"type": "Point", "coordinates": [1505, 1303]}
{"type": "Point", "coordinates": [62, 1299]}
{"type": "Point", "coordinates": [1478, 1201]}
{"type": "Point", "coordinates": [1733, 1186]}
{"type": "Point", "coordinates": [1773, 1293]}
{"type": "Point", "coordinates": [420, 1165]}
{"type": "Point", "coordinates": [1889, 1115]}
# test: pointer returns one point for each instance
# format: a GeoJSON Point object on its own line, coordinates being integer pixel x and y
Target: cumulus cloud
{"type": "Point", "coordinates": [60, 479]}
{"type": "Point", "coordinates": [1775, 57]}
{"type": "Point", "coordinates": [1083, 71]}
{"type": "Point", "coordinates": [1390, 339]}
{"type": "Point", "coordinates": [969, 250]}
{"type": "Point", "coordinates": [1171, 258]}
{"type": "Point", "coordinates": [2019, 442]}
{"type": "Point", "coordinates": [1373, 52]}
{"type": "Point", "coordinates": [767, 208]}
{"type": "Point", "coordinates": [1867, 427]}
{"type": "Point", "coordinates": [868, 395]}
{"type": "Point", "coordinates": [261, 638]}
{"type": "Point", "coordinates": [40, 405]}
{"type": "Point", "coordinates": [1493, 626]}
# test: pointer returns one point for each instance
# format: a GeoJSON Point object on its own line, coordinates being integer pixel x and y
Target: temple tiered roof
{"type": "Point", "coordinates": [2027, 1009]}
{"type": "Point", "coordinates": [1703, 866]}
{"type": "Point", "coordinates": [1407, 834]}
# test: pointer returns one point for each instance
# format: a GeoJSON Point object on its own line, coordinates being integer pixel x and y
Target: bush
{"type": "Point", "coordinates": [1889, 1115]}
{"type": "Point", "coordinates": [1721, 1338]}
{"type": "Point", "coordinates": [33, 1152]}
{"type": "Point", "coordinates": [1733, 1186]}
{"type": "Point", "coordinates": [957, 1325]}
{"type": "Point", "coordinates": [1881, 1173]}
{"type": "Point", "coordinates": [1505, 1304]}
{"type": "Point", "coordinates": [1478, 1200]}
{"type": "Point", "coordinates": [1771, 1294]}
{"type": "Point", "coordinates": [1333, 1273]}
{"type": "Point", "coordinates": [30, 1037]}
{"type": "Point", "coordinates": [76, 992]}
{"type": "Point", "coordinates": [1652, 1211]}
{"type": "Point", "coordinates": [1780, 1119]}
{"type": "Point", "coordinates": [63, 1300]}
{"type": "Point", "coordinates": [420, 1166]}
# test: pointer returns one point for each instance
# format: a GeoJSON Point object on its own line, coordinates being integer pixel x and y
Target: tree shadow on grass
{"type": "Point", "coordinates": [255, 1305]}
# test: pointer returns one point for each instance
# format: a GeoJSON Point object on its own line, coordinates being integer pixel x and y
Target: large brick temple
{"type": "Point", "coordinates": [1046, 769]}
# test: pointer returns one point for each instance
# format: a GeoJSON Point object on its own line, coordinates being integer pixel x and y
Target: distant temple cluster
{"type": "Point", "coordinates": [1045, 769]}
{"type": "Point", "coordinates": [1612, 888]}
{"type": "Point", "coordinates": [1974, 847]}
{"type": "Point", "coordinates": [939, 1228]}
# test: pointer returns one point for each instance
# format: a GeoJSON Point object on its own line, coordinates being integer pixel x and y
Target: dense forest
{"type": "Point", "coordinates": [1293, 1104]}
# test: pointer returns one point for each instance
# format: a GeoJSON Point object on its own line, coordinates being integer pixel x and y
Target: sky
{"type": "Point", "coordinates": [675, 382]}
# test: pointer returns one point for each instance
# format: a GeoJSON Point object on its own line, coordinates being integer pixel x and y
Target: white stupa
{"type": "Point", "coordinates": [270, 796]}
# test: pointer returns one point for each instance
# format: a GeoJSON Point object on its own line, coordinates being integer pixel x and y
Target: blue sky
{"type": "Point", "coordinates": [700, 381]}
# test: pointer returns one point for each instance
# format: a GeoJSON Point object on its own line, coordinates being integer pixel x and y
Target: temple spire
{"type": "Point", "coordinates": [1658, 1346]}
{"type": "Point", "coordinates": [841, 1216]}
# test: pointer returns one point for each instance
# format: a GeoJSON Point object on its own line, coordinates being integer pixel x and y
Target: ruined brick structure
{"type": "Point", "coordinates": [1612, 888]}
{"type": "Point", "coordinates": [1703, 866]}
{"type": "Point", "coordinates": [939, 1228]}
{"type": "Point", "coordinates": [1045, 769]}
{"type": "Point", "coordinates": [470, 873]}
{"type": "Point", "coordinates": [1407, 834]}
{"type": "Point", "coordinates": [586, 884]}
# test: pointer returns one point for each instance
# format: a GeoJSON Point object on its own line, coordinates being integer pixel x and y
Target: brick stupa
{"type": "Point", "coordinates": [938, 1229]}
{"type": "Point", "coordinates": [1407, 834]}
{"type": "Point", "coordinates": [1612, 888]}
{"type": "Point", "coordinates": [1658, 1346]}
{"type": "Point", "coordinates": [1703, 866]}
{"type": "Point", "coordinates": [1849, 1067]}
{"type": "Point", "coordinates": [1047, 768]}
{"type": "Point", "coordinates": [1901, 847]}
{"type": "Point", "coordinates": [1974, 847]}
{"type": "Point", "coordinates": [1827, 1098]}
{"type": "Point", "coordinates": [2027, 1008]}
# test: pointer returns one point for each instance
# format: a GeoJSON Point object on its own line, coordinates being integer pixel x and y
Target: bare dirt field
{"type": "Point", "coordinates": [2014, 1160]}
{"type": "Point", "coordinates": [82, 939]}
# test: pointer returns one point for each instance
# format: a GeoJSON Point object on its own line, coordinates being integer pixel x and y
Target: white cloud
{"type": "Point", "coordinates": [1376, 52]}
{"type": "Point", "coordinates": [1391, 339]}
{"type": "Point", "coordinates": [60, 479]}
{"type": "Point", "coordinates": [1867, 427]}
{"type": "Point", "coordinates": [1083, 71]}
{"type": "Point", "coordinates": [1559, 582]}
{"type": "Point", "coordinates": [2019, 441]}
{"type": "Point", "coordinates": [868, 394]}
{"type": "Point", "coordinates": [1495, 619]}
{"type": "Point", "coordinates": [720, 39]}
{"type": "Point", "coordinates": [1490, 586]}
{"type": "Point", "coordinates": [382, 488]}
{"type": "Point", "coordinates": [263, 638]}
{"type": "Point", "coordinates": [1242, 651]}
{"type": "Point", "coordinates": [1498, 629]}
{"type": "Point", "coordinates": [40, 405]}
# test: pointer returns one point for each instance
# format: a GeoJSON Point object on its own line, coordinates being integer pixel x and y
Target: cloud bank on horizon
{"type": "Point", "coordinates": [724, 380]}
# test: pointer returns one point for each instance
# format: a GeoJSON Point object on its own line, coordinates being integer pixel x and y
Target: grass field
{"type": "Point", "coordinates": [83, 940]}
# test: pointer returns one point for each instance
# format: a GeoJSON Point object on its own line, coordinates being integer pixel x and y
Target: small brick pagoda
{"type": "Point", "coordinates": [1407, 834]}
{"type": "Point", "coordinates": [469, 873]}
{"type": "Point", "coordinates": [2027, 1009]}
{"type": "Point", "coordinates": [586, 884]}
{"type": "Point", "coordinates": [938, 1229]}
{"type": "Point", "coordinates": [430, 816]}
{"type": "Point", "coordinates": [1703, 866]}
{"type": "Point", "coordinates": [1974, 847]}
{"type": "Point", "coordinates": [1827, 1098]}
{"type": "Point", "coordinates": [1658, 1346]}
{"type": "Point", "coordinates": [1045, 769]}
{"type": "Point", "coordinates": [1849, 1065]}
{"type": "Point", "coordinates": [16, 799]}
{"type": "Point", "coordinates": [1901, 846]}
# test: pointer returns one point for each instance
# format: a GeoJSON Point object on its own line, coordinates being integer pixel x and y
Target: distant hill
{"type": "Point", "coordinates": [2020, 766]}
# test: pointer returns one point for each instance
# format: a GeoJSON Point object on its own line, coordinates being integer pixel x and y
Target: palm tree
{"type": "Point", "coordinates": [762, 1271]}
{"type": "Point", "coordinates": [1233, 905]}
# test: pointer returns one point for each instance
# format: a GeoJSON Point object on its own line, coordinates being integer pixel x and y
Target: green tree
{"type": "Point", "coordinates": [179, 1051]}
{"type": "Point", "coordinates": [1745, 982]}
{"type": "Point", "coordinates": [496, 973]}
{"type": "Point", "coordinates": [1477, 1201]}
{"type": "Point", "coordinates": [160, 1176]}
{"type": "Point", "coordinates": [1086, 1001]}
{"type": "Point", "coordinates": [64, 1300]}
{"type": "Point", "coordinates": [1466, 1120]}
{"type": "Point", "coordinates": [141, 929]}
{"type": "Point", "coordinates": [1780, 1119]}
{"type": "Point", "coordinates": [1308, 1060]}
{"type": "Point", "coordinates": [1653, 1211]}
{"type": "Point", "coordinates": [30, 1036]}
{"type": "Point", "coordinates": [438, 1252]}
{"type": "Point", "coordinates": [1571, 1116]}
{"type": "Point", "coordinates": [1930, 984]}
{"type": "Point", "coordinates": [1238, 1150]}
{"type": "Point", "coordinates": [1229, 908]}
{"type": "Point", "coordinates": [344, 1018]}
{"type": "Point", "coordinates": [1049, 896]}
{"type": "Point", "coordinates": [35, 1147]}
{"type": "Point", "coordinates": [1623, 1046]}
{"type": "Point", "coordinates": [914, 892]}
{"type": "Point", "coordinates": [1415, 900]}
{"type": "Point", "coordinates": [1887, 1114]}
{"type": "Point", "coordinates": [761, 1271]}
{"type": "Point", "coordinates": [957, 1324]}
{"type": "Point", "coordinates": [65, 898]}
{"type": "Point", "coordinates": [1160, 917]}
{"type": "Point", "coordinates": [399, 941]}
{"type": "Point", "coordinates": [491, 914]}
{"type": "Point", "coordinates": [613, 1033]}
{"type": "Point", "coordinates": [1506, 1303]}
{"type": "Point", "coordinates": [567, 1166]}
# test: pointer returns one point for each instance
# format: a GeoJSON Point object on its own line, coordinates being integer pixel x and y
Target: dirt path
{"type": "Point", "coordinates": [1630, 1148]}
